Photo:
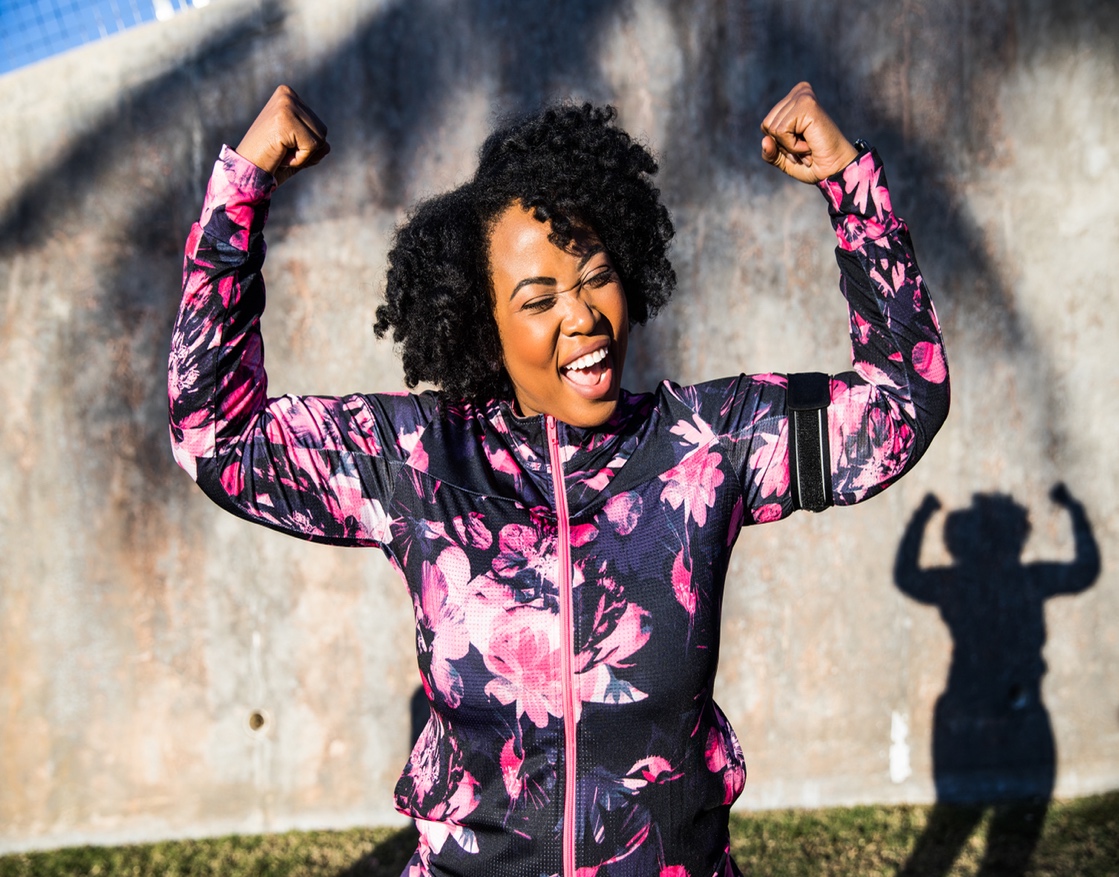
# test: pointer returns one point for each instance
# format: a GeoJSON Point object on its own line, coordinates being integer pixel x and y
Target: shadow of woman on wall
{"type": "Point", "coordinates": [992, 740]}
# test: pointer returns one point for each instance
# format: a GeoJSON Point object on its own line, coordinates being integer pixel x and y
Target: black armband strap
{"type": "Point", "coordinates": [809, 456]}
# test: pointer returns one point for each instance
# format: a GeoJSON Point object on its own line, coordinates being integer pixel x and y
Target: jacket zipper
{"type": "Point", "coordinates": [563, 550]}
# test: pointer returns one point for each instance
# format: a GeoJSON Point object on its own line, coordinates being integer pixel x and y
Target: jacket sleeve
{"type": "Point", "coordinates": [320, 468]}
{"type": "Point", "coordinates": [883, 413]}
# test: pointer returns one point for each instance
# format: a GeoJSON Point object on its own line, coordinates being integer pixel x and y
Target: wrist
{"type": "Point", "coordinates": [858, 152]}
{"type": "Point", "coordinates": [848, 153]}
{"type": "Point", "coordinates": [261, 156]}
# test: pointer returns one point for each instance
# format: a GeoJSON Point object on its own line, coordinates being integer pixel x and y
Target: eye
{"type": "Point", "coordinates": [601, 277]}
{"type": "Point", "coordinates": [542, 303]}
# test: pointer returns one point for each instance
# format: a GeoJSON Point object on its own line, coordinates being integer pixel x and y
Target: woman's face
{"type": "Point", "coordinates": [562, 319]}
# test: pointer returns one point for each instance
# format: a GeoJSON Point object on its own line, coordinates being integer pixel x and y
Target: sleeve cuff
{"type": "Point", "coordinates": [859, 201]}
{"type": "Point", "coordinates": [239, 191]}
{"type": "Point", "coordinates": [239, 180]}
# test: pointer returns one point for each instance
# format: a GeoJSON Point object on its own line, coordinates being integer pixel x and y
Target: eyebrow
{"type": "Point", "coordinates": [528, 281]}
{"type": "Point", "coordinates": [594, 250]}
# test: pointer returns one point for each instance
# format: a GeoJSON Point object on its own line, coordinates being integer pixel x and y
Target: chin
{"type": "Point", "coordinates": [589, 415]}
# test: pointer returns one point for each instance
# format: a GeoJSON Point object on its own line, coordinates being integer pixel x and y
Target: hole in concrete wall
{"type": "Point", "coordinates": [258, 721]}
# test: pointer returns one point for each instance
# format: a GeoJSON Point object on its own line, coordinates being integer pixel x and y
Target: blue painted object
{"type": "Point", "coordinates": [31, 30]}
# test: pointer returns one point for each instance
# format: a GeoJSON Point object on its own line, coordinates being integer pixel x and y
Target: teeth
{"type": "Point", "coordinates": [588, 360]}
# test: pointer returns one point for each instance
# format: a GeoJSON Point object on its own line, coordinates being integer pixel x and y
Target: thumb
{"type": "Point", "coordinates": [769, 149]}
{"type": "Point", "coordinates": [300, 157]}
{"type": "Point", "coordinates": [788, 160]}
{"type": "Point", "coordinates": [307, 150]}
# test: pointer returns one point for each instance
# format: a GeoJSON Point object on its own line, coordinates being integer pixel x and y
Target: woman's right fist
{"type": "Point", "coordinates": [286, 137]}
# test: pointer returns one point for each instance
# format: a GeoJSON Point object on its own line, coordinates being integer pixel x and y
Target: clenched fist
{"type": "Point", "coordinates": [802, 140]}
{"type": "Point", "coordinates": [286, 137]}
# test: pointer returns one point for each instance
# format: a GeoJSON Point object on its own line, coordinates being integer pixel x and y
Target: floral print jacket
{"type": "Point", "coordinates": [567, 582]}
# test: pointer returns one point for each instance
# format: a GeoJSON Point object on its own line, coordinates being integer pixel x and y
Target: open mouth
{"type": "Point", "coordinates": [591, 374]}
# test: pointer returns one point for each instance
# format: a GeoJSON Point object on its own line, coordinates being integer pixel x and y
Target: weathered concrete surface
{"type": "Point", "coordinates": [141, 629]}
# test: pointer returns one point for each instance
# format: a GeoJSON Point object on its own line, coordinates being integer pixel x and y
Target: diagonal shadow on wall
{"type": "Point", "coordinates": [385, 88]}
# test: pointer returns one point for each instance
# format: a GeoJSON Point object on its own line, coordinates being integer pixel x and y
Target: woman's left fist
{"type": "Point", "coordinates": [802, 140]}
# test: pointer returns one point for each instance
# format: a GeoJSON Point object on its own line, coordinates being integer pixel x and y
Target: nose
{"type": "Point", "coordinates": [580, 317]}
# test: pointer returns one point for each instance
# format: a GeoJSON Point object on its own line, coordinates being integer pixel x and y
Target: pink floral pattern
{"type": "Point", "coordinates": [461, 498]}
{"type": "Point", "coordinates": [522, 653]}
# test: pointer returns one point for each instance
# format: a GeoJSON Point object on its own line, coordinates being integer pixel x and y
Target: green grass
{"type": "Point", "coordinates": [1078, 838]}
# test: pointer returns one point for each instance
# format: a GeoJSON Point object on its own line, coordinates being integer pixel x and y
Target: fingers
{"type": "Point", "coordinates": [787, 121]}
{"type": "Point", "coordinates": [784, 126]}
{"type": "Point", "coordinates": [776, 152]}
{"type": "Point", "coordinates": [801, 139]}
{"type": "Point", "coordinates": [312, 122]}
{"type": "Point", "coordinates": [305, 139]}
{"type": "Point", "coordinates": [309, 132]}
{"type": "Point", "coordinates": [286, 137]}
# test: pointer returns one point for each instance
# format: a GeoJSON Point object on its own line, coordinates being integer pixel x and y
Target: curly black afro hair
{"type": "Point", "coordinates": [572, 166]}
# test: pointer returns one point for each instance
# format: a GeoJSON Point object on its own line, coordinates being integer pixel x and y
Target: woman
{"type": "Point", "coordinates": [565, 542]}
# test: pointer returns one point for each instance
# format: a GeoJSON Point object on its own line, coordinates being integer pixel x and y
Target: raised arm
{"type": "Point", "coordinates": [883, 413]}
{"type": "Point", "coordinates": [919, 584]}
{"type": "Point", "coordinates": [1071, 578]}
{"type": "Point", "coordinates": [316, 467]}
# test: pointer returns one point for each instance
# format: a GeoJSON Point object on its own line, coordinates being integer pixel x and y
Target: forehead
{"type": "Point", "coordinates": [519, 247]}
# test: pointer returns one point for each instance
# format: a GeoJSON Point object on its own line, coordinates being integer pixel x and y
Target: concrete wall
{"type": "Point", "coordinates": [142, 629]}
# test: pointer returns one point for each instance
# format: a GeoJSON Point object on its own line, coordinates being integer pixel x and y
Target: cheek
{"type": "Point", "coordinates": [618, 310]}
{"type": "Point", "coordinates": [526, 344]}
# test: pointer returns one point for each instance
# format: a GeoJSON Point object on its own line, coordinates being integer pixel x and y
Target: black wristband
{"type": "Point", "coordinates": [809, 454]}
